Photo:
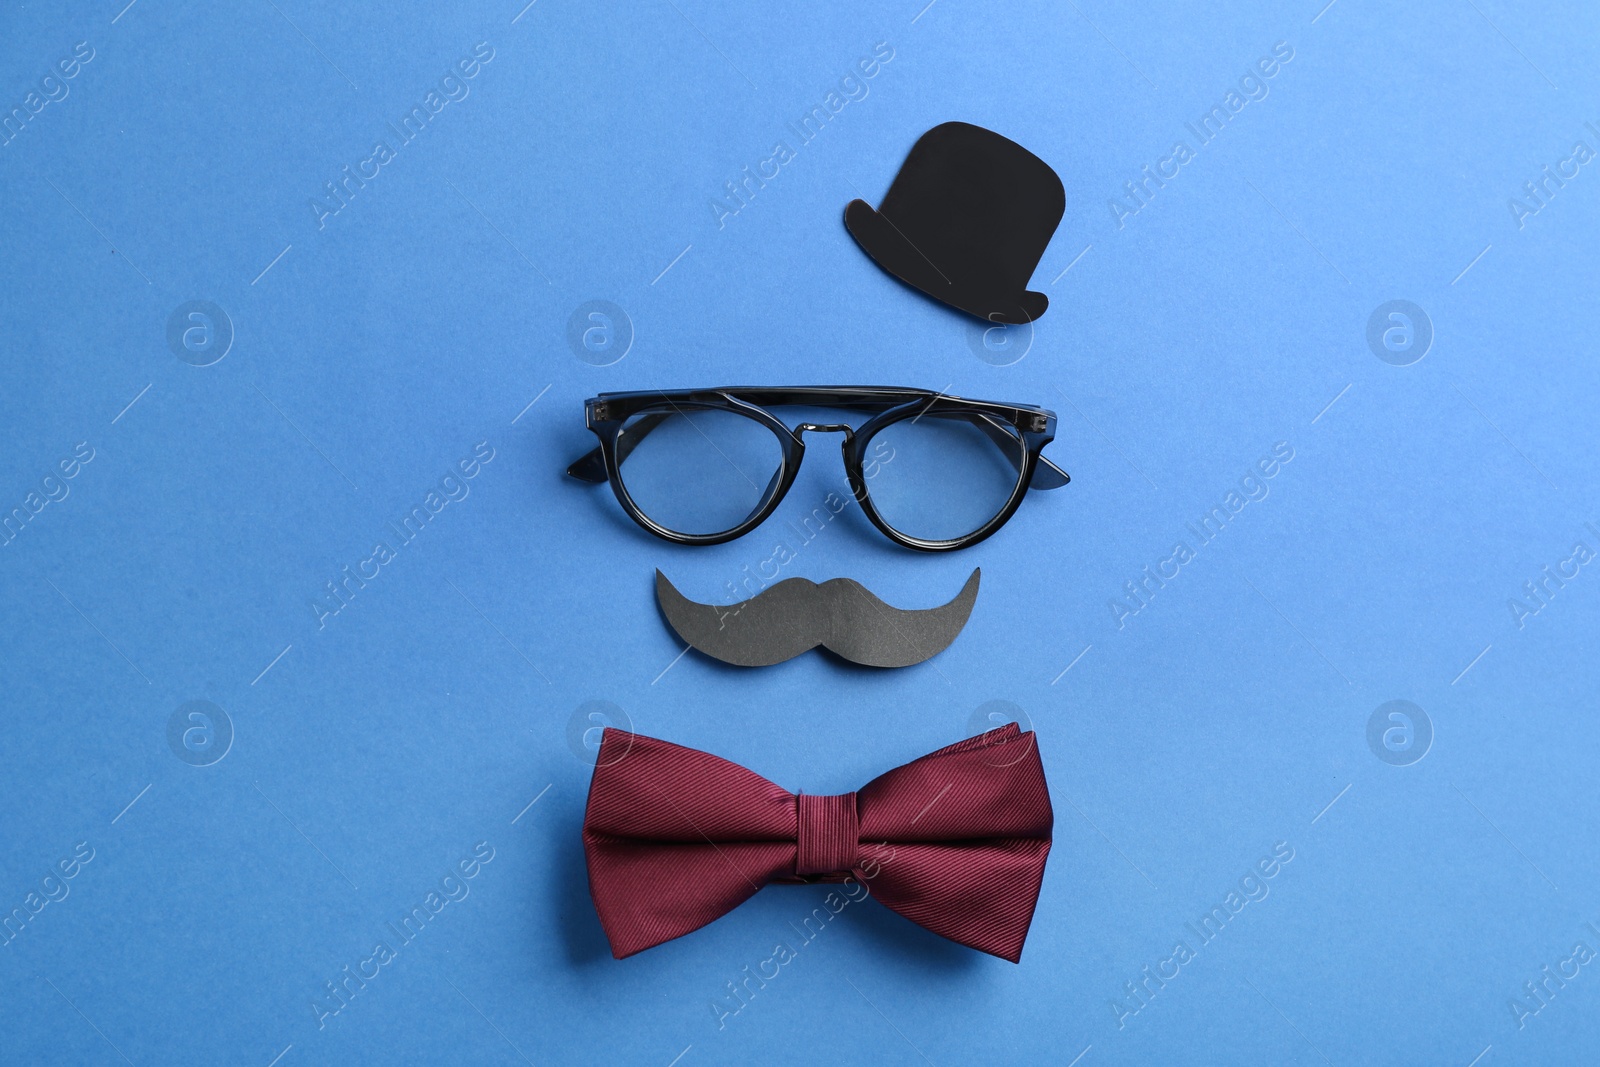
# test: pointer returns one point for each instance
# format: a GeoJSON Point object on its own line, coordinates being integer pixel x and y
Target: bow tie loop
{"type": "Point", "coordinates": [827, 834]}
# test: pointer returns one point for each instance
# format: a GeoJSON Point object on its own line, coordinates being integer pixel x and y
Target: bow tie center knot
{"type": "Point", "coordinates": [829, 837]}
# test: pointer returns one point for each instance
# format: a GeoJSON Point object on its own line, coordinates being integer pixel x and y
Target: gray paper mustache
{"type": "Point", "coordinates": [797, 615]}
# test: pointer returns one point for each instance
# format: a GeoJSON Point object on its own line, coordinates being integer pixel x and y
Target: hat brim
{"type": "Point", "coordinates": [891, 250]}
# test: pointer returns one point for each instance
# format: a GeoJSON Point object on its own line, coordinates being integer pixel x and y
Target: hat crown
{"type": "Point", "coordinates": [977, 204]}
{"type": "Point", "coordinates": [967, 220]}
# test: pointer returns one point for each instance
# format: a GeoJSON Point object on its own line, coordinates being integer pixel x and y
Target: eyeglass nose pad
{"type": "Point", "coordinates": [829, 427]}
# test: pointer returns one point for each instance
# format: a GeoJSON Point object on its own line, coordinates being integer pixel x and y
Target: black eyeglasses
{"type": "Point", "coordinates": [704, 466]}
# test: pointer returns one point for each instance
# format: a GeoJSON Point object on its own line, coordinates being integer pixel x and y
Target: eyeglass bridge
{"type": "Point", "coordinates": [827, 427]}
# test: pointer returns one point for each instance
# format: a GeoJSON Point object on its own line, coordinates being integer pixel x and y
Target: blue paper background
{"type": "Point", "coordinates": [374, 350]}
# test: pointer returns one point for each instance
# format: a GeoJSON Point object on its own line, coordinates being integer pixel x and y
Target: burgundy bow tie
{"type": "Point", "coordinates": [955, 841]}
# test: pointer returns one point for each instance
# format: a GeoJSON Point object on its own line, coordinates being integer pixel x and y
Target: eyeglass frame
{"type": "Point", "coordinates": [1032, 426]}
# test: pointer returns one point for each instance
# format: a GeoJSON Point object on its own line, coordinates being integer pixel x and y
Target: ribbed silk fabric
{"type": "Point", "coordinates": [827, 834]}
{"type": "Point", "coordinates": [955, 841]}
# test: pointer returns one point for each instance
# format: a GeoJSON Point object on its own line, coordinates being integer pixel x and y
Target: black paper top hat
{"type": "Point", "coordinates": [966, 221]}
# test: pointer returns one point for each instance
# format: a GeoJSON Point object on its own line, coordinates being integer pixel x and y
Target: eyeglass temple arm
{"type": "Point", "coordinates": [592, 467]}
{"type": "Point", "coordinates": [1046, 475]}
